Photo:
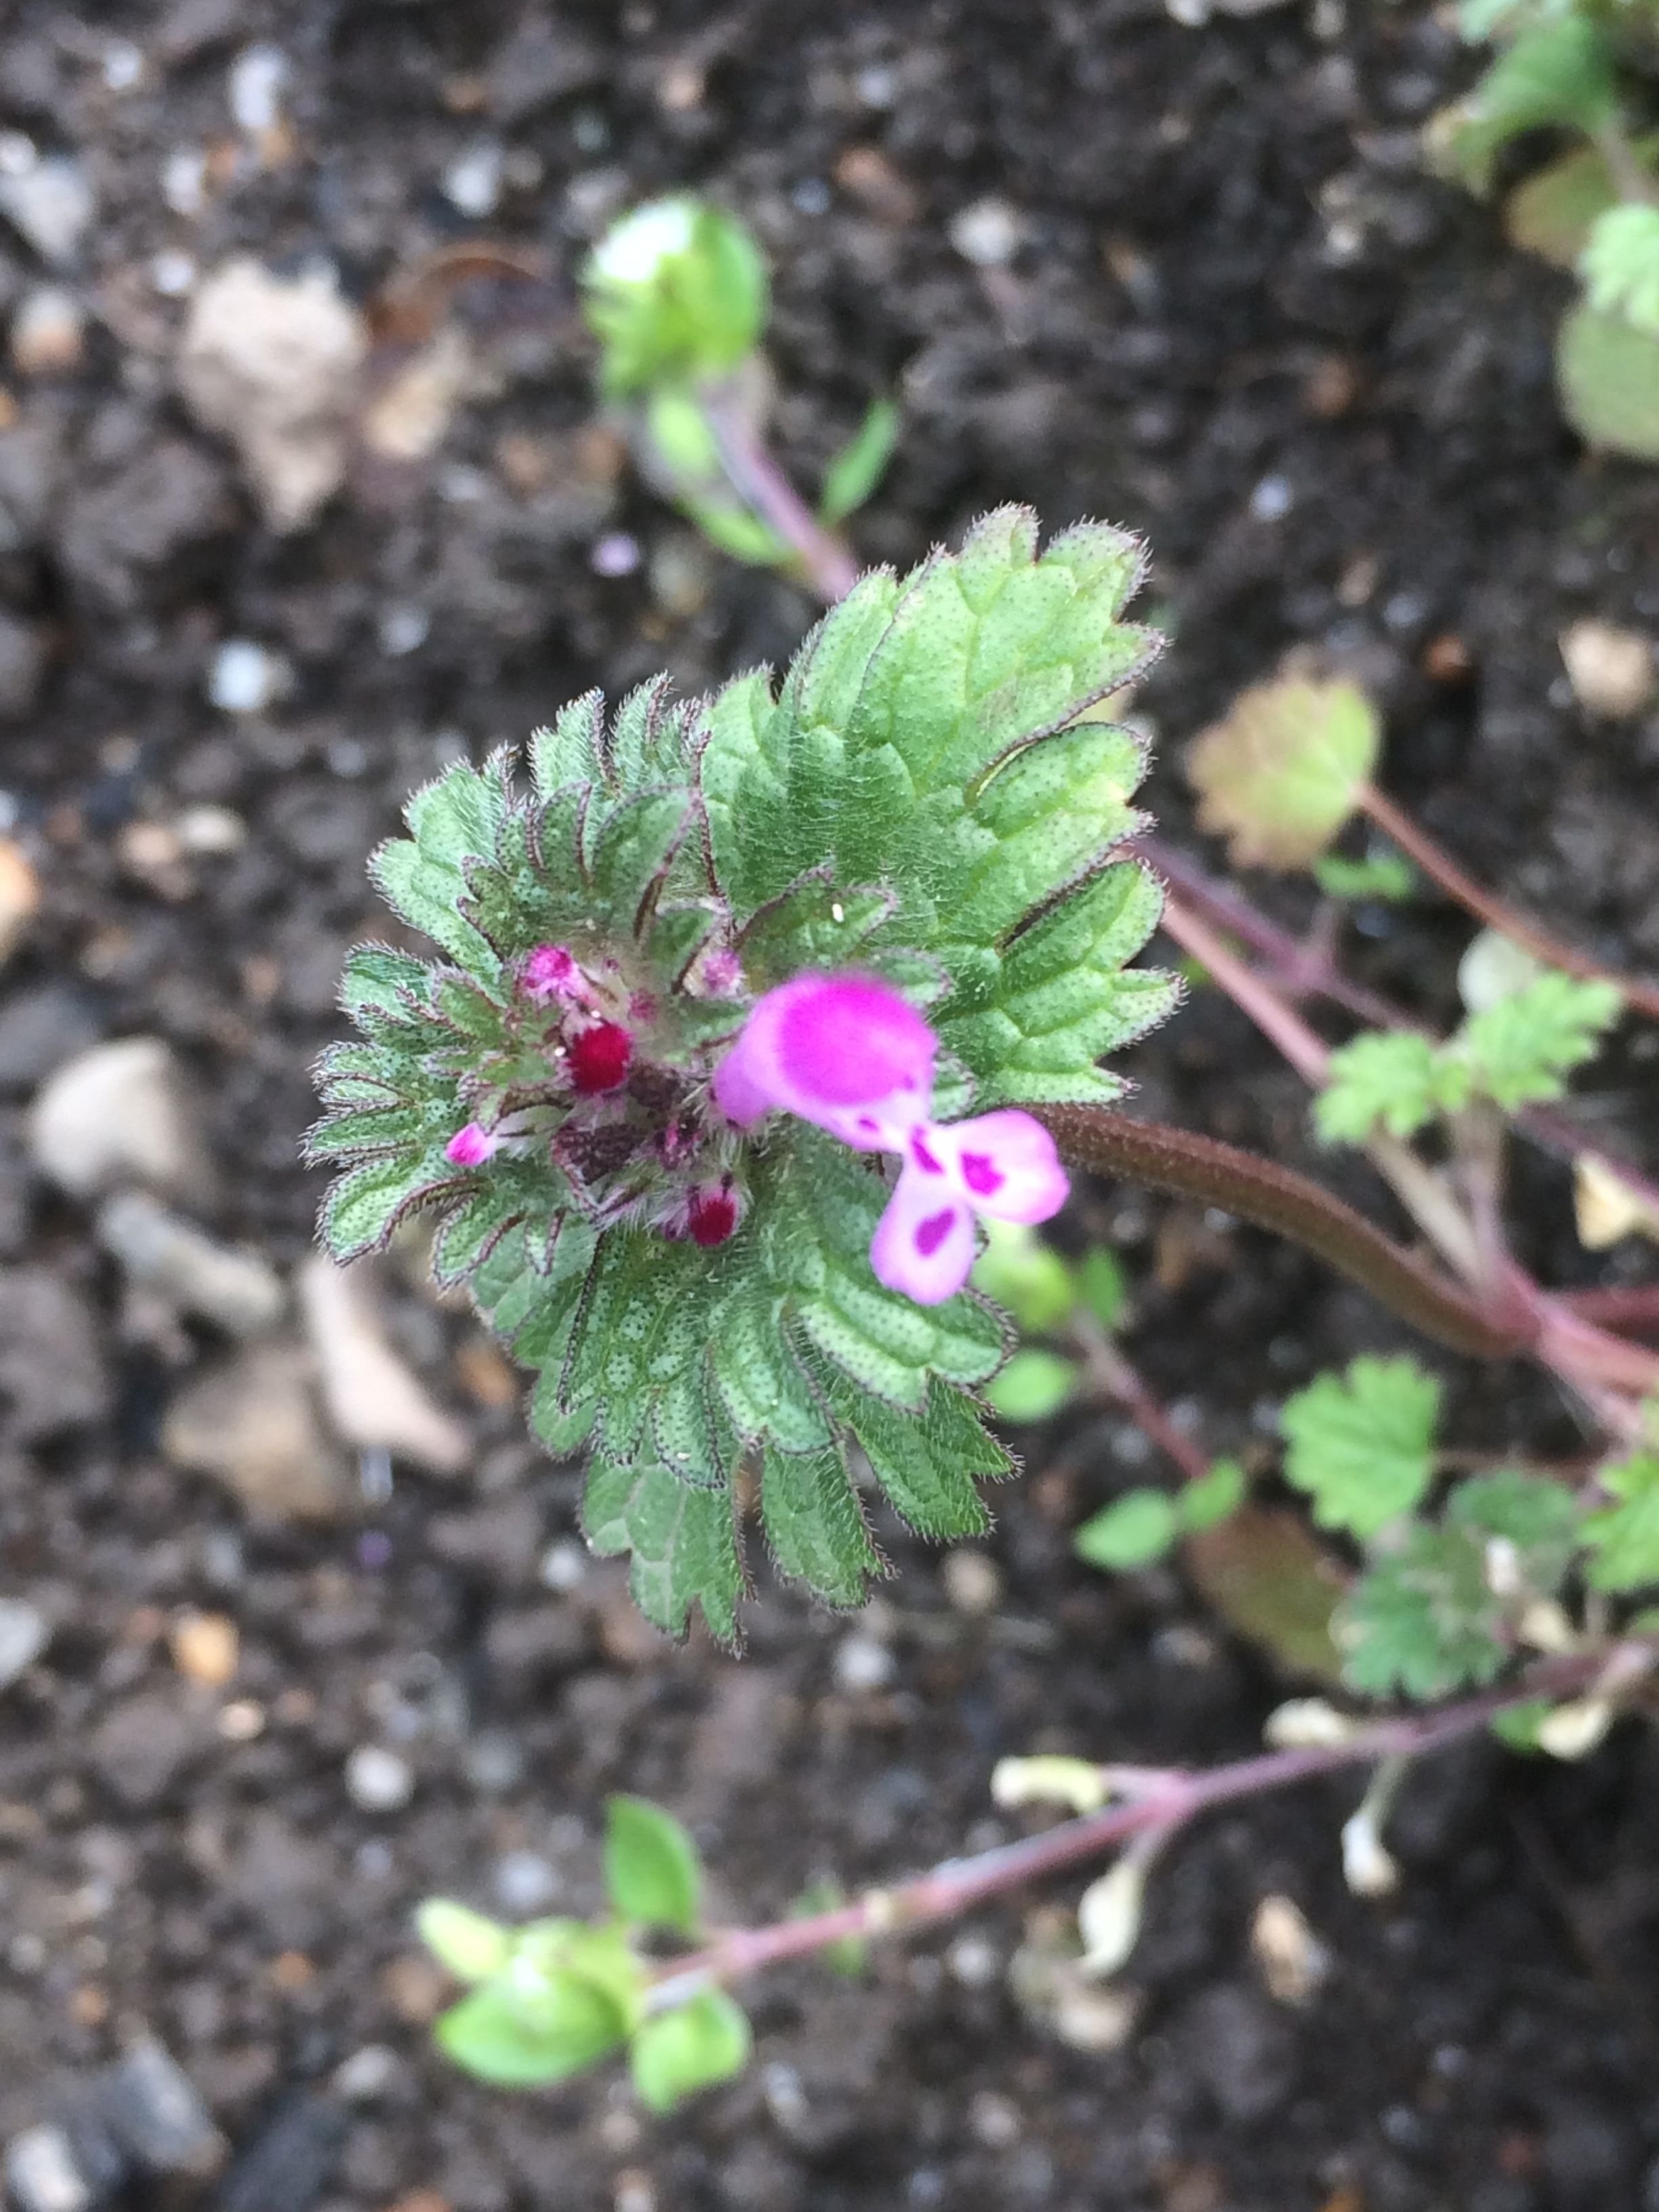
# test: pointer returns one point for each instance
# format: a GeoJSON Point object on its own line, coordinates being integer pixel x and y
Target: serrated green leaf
{"type": "Point", "coordinates": [453, 820]}
{"type": "Point", "coordinates": [1519, 1049]}
{"type": "Point", "coordinates": [1423, 1620]}
{"type": "Point", "coordinates": [1538, 1518]}
{"type": "Point", "coordinates": [1623, 1538]}
{"type": "Point", "coordinates": [929, 1464]}
{"type": "Point", "coordinates": [1552, 211]}
{"type": "Point", "coordinates": [1361, 1445]}
{"type": "Point", "coordinates": [1104, 1286]}
{"type": "Point", "coordinates": [1133, 1531]}
{"type": "Point", "coordinates": [676, 2053]}
{"type": "Point", "coordinates": [858, 467]}
{"type": "Point", "coordinates": [815, 1525]}
{"type": "Point", "coordinates": [652, 1874]}
{"type": "Point", "coordinates": [682, 1543]}
{"type": "Point", "coordinates": [1033, 1386]}
{"type": "Point", "coordinates": [1279, 776]}
{"type": "Point", "coordinates": [367, 1203]}
{"type": "Point", "coordinates": [1393, 1079]}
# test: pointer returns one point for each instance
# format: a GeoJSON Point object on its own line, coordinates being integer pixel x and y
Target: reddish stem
{"type": "Point", "coordinates": [761, 485]}
{"type": "Point", "coordinates": [1274, 1197]}
{"type": "Point", "coordinates": [1633, 1306]}
{"type": "Point", "coordinates": [1439, 866]}
{"type": "Point", "coordinates": [1167, 1802]}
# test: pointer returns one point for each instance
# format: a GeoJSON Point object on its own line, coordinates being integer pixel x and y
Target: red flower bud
{"type": "Point", "coordinates": [598, 1058]}
{"type": "Point", "coordinates": [710, 1217]}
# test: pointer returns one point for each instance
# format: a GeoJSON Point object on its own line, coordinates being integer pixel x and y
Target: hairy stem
{"type": "Point", "coordinates": [1420, 1190]}
{"type": "Point", "coordinates": [1274, 1197]}
{"type": "Point", "coordinates": [1166, 1802]}
{"type": "Point", "coordinates": [761, 485]}
{"type": "Point", "coordinates": [1397, 824]}
{"type": "Point", "coordinates": [1299, 968]}
{"type": "Point", "coordinates": [1108, 1370]}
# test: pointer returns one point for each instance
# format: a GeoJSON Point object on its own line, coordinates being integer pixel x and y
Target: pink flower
{"type": "Point", "coordinates": [599, 1058]}
{"type": "Point", "coordinates": [846, 1053]}
{"type": "Point", "coordinates": [552, 972]}
{"type": "Point", "coordinates": [472, 1147]}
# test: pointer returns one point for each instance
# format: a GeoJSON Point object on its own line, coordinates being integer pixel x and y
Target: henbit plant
{"type": "Point", "coordinates": [1583, 67]}
{"type": "Point", "coordinates": [703, 974]}
{"type": "Point", "coordinates": [676, 292]}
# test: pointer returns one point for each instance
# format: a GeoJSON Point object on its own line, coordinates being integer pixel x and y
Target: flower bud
{"type": "Point", "coordinates": [598, 1058]}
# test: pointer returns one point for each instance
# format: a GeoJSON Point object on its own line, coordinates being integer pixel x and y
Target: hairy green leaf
{"type": "Point", "coordinates": [1422, 1621]}
{"type": "Point", "coordinates": [1283, 773]}
{"type": "Point", "coordinates": [1623, 1538]}
{"type": "Point", "coordinates": [1361, 1445]}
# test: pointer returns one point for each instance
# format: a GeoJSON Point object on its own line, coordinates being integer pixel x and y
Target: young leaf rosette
{"type": "Point", "coordinates": [740, 1006]}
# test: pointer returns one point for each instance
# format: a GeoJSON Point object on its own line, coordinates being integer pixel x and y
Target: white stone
{"type": "Point", "coordinates": [23, 1636]}
{"type": "Point", "coordinates": [254, 88]}
{"type": "Point", "coordinates": [373, 1399]}
{"type": "Point", "coordinates": [48, 331]}
{"type": "Point", "coordinates": [161, 1252]}
{"type": "Point", "coordinates": [273, 363]}
{"type": "Point", "coordinates": [860, 1663]}
{"type": "Point", "coordinates": [472, 182]}
{"type": "Point", "coordinates": [115, 1115]}
{"type": "Point", "coordinates": [987, 232]}
{"type": "Point", "coordinates": [50, 205]}
{"type": "Point", "coordinates": [243, 677]}
{"type": "Point", "coordinates": [1611, 670]}
{"type": "Point", "coordinates": [377, 1780]}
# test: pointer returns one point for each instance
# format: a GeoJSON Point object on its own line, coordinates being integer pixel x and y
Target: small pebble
{"type": "Point", "coordinates": [993, 2120]}
{"type": "Point", "coordinates": [973, 1581]}
{"type": "Point", "coordinates": [525, 1883]}
{"type": "Point", "coordinates": [401, 631]}
{"type": "Point", "coordinates": [161, 1252]}
{"type": "Point", "coordinates": [255, 89]}
{"type": "Point", "coordinates": [124, 65]}
{"type": "Point", "coordinates": [377, 1780]}
{"type": "Point", "coordinates": [472, 182]}
{"type": "Point", "coordinates": [242, 1721]}
{"type": "Point", "coordinates": [173, 274]}
{"type": "Point", "coordinates": [48, 332]}
{"type": "Point", "coordinates": [1271, 500]}
{"type": "Point", "coordinates": [1611, 670]}
{"type": "Point", "coordinates": [183, 180]}
{"type": "Point", "coordinates": [564, 1564]}
{"type": "Point", "coordinates": [988, 232]}
{"type": "Point", "coordinates": [243, 677]}
{"type": "Point", "coordinates": [205, 1647]}
{"type": "Point", "coordinates": [861, 1663]}
{"type": "Point", "coordinates": [23, 1636]}
{"type": "Point", "coordinates": [210, 831]}
{"type": "Point", "coordinates": [494, 1762]}
{"type": "Point", "coordinates": [367, 2075]}
{"type": "Point", "coordinates": [50, 204]}
{"type": "Point", "coordinates": [1292, 1960]}
{"type": "Point", "coordinates": [116, 1114]}
{"type": "Point", "coordinates": [974, 1961]}
{"type": "Point", "coordinates": [20, 894]}
{"type": "Point", "coordinates": [615, 555]}
{"type": "Point", "coordinates": [43, 2174]}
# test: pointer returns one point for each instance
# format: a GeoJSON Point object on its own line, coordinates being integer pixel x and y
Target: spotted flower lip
{"type": "Point", "coordinates": [847, 1054]}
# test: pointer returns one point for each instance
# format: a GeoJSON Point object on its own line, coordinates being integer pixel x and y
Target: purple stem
{"type": "Point", "coordinates": [761, 485]}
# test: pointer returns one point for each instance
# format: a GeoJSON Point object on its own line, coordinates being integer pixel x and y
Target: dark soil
{"type": "Point", "coordinates": [1241, 319]}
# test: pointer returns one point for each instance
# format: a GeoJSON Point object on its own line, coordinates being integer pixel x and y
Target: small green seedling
{"type": "Point", "coordinates": [1577, 66]}
{"type": "Point", "coordinates": [677, 294]}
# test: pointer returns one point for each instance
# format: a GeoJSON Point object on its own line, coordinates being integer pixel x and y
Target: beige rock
{"type": "Point", "coordinates": [253, 1424]}
{"type": "Point", "coordinates": [1611, 670]}
{"type": "Point", "coordinates": [1292, 1960]}
{"type": "Point", "coordinates": [19, 895]}
{"type": "Point", "coordinates": [160, 1252]}
{"type": "Point", "coordinates": [409, 419]}
{"type": "Point", "coordinates": [48, 332]}
{"type": "Point", "coordinates": [205, 1647]}
{"type": "Point", "coordinates": [273, 363]}
{"type": "Point", "coordinates": [114, 1115]}
{"type": "Point", "coordinates": [373, 1399]}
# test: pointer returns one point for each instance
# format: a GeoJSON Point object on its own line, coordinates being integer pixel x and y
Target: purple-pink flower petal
{"type": "Point", "coordinates": [924, 1243]}
{"type": "Point", "coordinates": [844, 1052]}
{"type": "Point", "coordinates": [472, 1145]}
{"type": "Point", "coordinates": [1003, 1163]}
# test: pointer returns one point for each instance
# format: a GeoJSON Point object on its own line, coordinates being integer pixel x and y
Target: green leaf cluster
{"type": "Point", "coordinates": [548, 2000]}
{"type": "Point", "coordinates": [1623, 1537]}
{"type": "Point", "coordinates": [1361, 1445]}
{"type": "Point", "coordinates": [676, 293]}
{"type": "Point", "coordinates": [1142, 1526]}
{"type": "Point", "coordinates": [1558, 69]}
{"type": "Point", "coordinates": [1436, 1610]}
{"type": "Point", "coordinates": [1619, 266]}
{"type": "Point", "coordinates": [920, 800]}
{"type": "Point", "coordinates": [1515, 1051]}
